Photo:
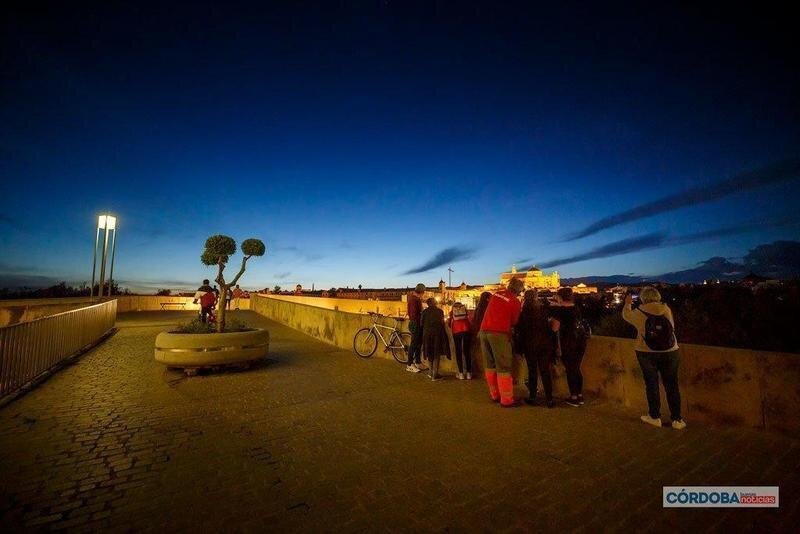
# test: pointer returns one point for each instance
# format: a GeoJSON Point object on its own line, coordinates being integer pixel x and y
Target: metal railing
{"type": "Point", "coordinates": [30, 349]}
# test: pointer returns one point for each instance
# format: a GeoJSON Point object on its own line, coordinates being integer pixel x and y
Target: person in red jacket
{"type": "Point", "coordinates": [495, 337]}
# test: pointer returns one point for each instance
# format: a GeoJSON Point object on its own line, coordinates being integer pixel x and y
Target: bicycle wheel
{"type": "Point", "coordinates": [365, 342]}
{"type": "Point", "coordinates": [399, 344]}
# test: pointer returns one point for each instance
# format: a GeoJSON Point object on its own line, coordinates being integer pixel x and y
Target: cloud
{"type": "Point", "coordinates": [444, 257]}
{"type": "Point", "coordinates": [774, 173]}
{"type": "Point", "coordinates": [281, 276]}
{"type": "Point", "coordinates": [726, 231]}
{"type": "Point", "coordinates": [661, 239]}
{"type": "Point", "coordinates": [617, 248]}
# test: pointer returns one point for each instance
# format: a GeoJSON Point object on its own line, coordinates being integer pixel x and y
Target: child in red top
{"type": "Point", "coordinates": [462, 338]}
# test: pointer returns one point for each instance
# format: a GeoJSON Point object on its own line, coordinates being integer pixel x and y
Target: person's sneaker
{"type": "Point", "coordinates": [422, 366]}
{"type": "Point", "coordinates": [435, 378]}
{"type": "Point", "coordinates": [469, 376]}
{"type": "Point", "coordinates": [531, 401]}
{"type": "Point", "coordinates": [573, 402]}
{"type": "Point", "coordinates": [580, 400]}
{"type": "Point", "coordinates": [412, 368]}
{"type": "Point", "coordinates": [680, 424]}
{"type": "Point", "coordinates": [551, 403]}
{"type": "Point", "coordinates": [651, 420]}
{"type": "Point", "coordinates": [460, 376]}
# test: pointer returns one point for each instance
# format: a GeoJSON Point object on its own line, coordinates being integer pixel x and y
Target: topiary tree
{"type": "Point", "coordinates": [219, 249]}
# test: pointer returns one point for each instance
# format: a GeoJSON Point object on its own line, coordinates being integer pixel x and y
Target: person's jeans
{"type": "Point", "coordinates": [539, 360]}
{"type": "Point", "coordinates": [463, 343]}
{"type": "Point", "coordinates": [572, 364]}
{"type": "Point", "coordinates": [666, 365]}
{"type": "Point", "coordinates": [415, 349]}
{"type": "Point", "coordinates": [204, 311]}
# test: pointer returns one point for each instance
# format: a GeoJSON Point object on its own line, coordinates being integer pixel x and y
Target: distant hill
{"type": "Point", "coordinates": [778, 260]}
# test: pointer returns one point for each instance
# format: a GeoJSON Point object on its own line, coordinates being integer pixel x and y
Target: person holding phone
{"type": "Point", "coordinates": [657, 351]}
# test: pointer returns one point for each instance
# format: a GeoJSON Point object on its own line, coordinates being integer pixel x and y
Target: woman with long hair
{"type": "Point", "coordinates": [480, 309]}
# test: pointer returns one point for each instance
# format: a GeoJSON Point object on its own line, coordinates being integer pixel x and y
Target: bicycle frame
{"type": "Point", "coordinates": [378, 327]}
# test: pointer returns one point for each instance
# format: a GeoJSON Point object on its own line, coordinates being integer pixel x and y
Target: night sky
{"type": "Point", "coordinates": [366, 140]}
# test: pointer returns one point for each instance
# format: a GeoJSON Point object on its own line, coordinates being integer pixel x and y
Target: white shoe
{"type": "Point", "coordinates": [679, 425]}
{"type": "Point", "coordinates": [469, 376]}
{"type": "Point", "coordinates": [460, 376]}
{"type": "Point", "coordinates": [412, 369]}
{"type": "Point", "coordinates": [651, 420]}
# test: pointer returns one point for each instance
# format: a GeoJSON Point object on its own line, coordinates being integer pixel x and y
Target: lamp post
{"type": "Point", "coordinates": [112, 225]}
{"type": "Point", "coordinates": [108, 223]}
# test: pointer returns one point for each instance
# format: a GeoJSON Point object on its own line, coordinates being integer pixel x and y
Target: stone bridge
{"type": "Point", "coordinates": [316, 439]}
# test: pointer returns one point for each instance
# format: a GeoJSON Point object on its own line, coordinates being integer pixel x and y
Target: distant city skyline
{"type": "Point", "coordinates": [379, 145]}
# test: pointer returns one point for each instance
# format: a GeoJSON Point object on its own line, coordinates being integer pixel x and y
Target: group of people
{"type": "Point", "coordinates": [207, 297]}
{"type": "Point", "coordinates": [543, 331]}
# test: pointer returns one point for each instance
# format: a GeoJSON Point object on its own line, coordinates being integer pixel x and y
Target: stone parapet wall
{"type": "Point", "coordinates": [394, 308]}
{"type": "Point", "coordinates": [24, 310]}
{"type": "Point", "coordinates": [756, 389]}
{"type": "Point", "coordinates": [171, 303]}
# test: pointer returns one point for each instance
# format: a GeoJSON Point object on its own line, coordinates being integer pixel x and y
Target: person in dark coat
{"type": "Point", "coordinates": [535, 339]}
{"type": "Point", "coordinates": [435, 342]}
{"type": "Point", "coordinates": [572, 340]}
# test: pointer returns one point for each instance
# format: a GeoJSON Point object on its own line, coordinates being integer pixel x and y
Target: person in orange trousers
{"type": "Point", "coordinates": [498, 322]}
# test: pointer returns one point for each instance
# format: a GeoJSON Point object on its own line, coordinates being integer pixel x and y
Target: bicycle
{"type": "Point", "coordinates": [365, 342]}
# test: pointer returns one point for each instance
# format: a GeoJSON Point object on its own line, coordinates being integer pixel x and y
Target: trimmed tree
{"type": "Point", "coordinates": [219, 249]}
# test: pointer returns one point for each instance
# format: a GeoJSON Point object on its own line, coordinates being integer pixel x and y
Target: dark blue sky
{"type": "Point", "coordinates": [360, 140]}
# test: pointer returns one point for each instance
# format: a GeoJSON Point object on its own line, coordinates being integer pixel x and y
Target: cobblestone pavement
{"type": "Point", "coordinates": [317, 439]}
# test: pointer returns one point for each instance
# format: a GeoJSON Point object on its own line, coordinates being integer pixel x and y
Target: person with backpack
{"type": "Point", "coordinates": [462, 339]}
{"type": "Point", "coordinates": [571, 338]}
{"type": "Point", "coordinates": [495, 336]}
{"type": "Point", "coordinates": [657, 351]}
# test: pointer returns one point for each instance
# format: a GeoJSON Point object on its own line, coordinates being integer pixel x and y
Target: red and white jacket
{"type": "Point", "coordinates": [502, 313]}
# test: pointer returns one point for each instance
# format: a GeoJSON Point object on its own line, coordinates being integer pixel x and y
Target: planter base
{"type": "Point", "coordinates": [192, 352]}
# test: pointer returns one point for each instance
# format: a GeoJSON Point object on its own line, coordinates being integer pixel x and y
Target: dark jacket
{"type": "Point", "coordinates": [434, 336]}
{"type": "Point", "coordinates": [414, 307]}
{"type": "Point", "coordinates": [572, 337]}
{"type": "Point", "coordinates": [532, 333]}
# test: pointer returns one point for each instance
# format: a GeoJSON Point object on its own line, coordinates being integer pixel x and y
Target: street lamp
{"type": "Point", "coordinates": [109, 224]}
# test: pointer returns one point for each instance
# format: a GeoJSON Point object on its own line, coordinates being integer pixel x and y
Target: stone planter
{"type": "Point", "coordinates": [197, 351]}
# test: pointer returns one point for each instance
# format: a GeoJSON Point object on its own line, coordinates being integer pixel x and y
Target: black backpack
{"type": "Point", "coordinates": [659, 334]}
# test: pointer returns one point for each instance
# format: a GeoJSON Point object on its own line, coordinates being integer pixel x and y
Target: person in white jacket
{"type": "Point", "coordinates": [657, 351]}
